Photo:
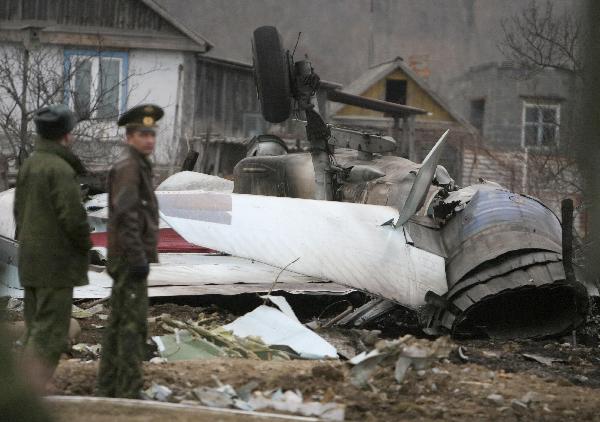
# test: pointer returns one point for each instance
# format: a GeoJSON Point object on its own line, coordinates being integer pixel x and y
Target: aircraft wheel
{"type": "Point", "coordinates": [271, 74]}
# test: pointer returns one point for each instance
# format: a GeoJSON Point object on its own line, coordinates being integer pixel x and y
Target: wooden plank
{"type": "Point", "coordinates": [225, 104]}
{"type": "Point", "coordinates": [200, 113]}
{"type": "Point", "coordinates": [123, 40]}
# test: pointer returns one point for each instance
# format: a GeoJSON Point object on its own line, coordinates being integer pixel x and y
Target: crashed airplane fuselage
{"type": "Point", "coordinates": [476, 260]}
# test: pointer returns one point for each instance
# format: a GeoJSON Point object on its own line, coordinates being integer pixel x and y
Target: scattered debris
{"type": "Point", "coordinates": [15, 305]}
{"type": "Point", "coordinates": [93, 303]}
{"type": "Point", "coordinates": [350, 342]}
{"type": "Point", "coordinates": [542, 359]}
{"type": "Point", "coordinates": [293, 402]}
{"type": "Point", "coordinates": [157, 392]}
{"type": "Point", "coordinates": [406, 352]}
{"type": "Point", "coordinates": [277, 328]}
{"type": "Point", "coordinates": [518, 405]}
{"type": "Point", "coordinates": [87, 351]}
{"type": "Point", "coordinates": [366, 313]}
{"type": "Point", "coordinates": [447, 390]}
{"type": "Point", "coordinates": [80, 313]}
{"type": "Point", "coordinates": [339, 317]}
{"type": "Point", "coordinates": [497, 399]}
{"type": "Point", "coordinates": [531, 397]}
{"type": "Point", "coordinates": [191, 341]}
{"type": "Point", "coordinates": [462, 354]}
{"type": "Point", "coordinates": [223, 396]}
{"type": "Point", "coordinates": [74, 329]}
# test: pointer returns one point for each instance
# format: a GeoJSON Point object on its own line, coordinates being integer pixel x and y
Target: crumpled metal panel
{"type": "Point", "coordinates": [531, 300]}
{"type": "Point", "coordinates": [502, 266]}
{"type": "Point", "coordinates": [391, 190]}
{"type": "Point", "coordinates": [342, 242]}
{"type": "Point", "coordinates": [496, 222]}
{"type": "Point", "coordinates": [425, 236]}
{"type": "Point", "coordinates": [7, 222]}
{"type": "Point", "coordinates": [282, 175]}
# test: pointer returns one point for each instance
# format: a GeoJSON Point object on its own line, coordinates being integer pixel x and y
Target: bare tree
{"type": "Point", "coordinates": [539, 38]}
{"type": "Point", "coordinates": [535, 40]}
{"type": "Point", "coordinates": [32, 77]}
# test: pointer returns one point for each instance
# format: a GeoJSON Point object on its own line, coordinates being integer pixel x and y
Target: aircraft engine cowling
{"type": "Point", "coordinates": [504, 268]}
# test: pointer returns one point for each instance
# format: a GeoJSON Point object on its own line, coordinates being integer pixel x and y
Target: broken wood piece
{"type": "Point", "coordinates": [337, 318]}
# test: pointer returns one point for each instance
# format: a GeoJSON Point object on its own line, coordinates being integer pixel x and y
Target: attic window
{"type": "Point", "coordinates": [395, 91]}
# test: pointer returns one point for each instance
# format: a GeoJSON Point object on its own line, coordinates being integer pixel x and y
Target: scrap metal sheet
{"type": "Point", "coordinates": [277, 329]}
{"type": "Point", "coordinates": [7, 220]}
{"type": "Point", "coordinates": [198, 274]}
{"type": "Point", "coordinates": [342, 242]}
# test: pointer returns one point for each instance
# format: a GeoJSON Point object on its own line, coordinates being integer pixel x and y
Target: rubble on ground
{"type": "Point", "coordinates": [442, 379]}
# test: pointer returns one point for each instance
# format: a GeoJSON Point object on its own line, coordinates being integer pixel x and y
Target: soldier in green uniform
{"type": "Point", "coordinates": [53, 235]}
{"type": "Point", "coordinates": [132, 241]}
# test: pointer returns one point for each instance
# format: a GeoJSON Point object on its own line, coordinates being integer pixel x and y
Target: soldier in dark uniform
{"type": "Point", "coordinates": [53, 235]}
{"type": "Point", "coordinates": [132, 241]}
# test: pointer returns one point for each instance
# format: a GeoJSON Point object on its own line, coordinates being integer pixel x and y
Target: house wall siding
{"type": "Point", "coordinates": [509, 169]}
{"type": "Point", "coordinates": [118, 14]}
{"type": "Point", "coordinates": [224, 93]}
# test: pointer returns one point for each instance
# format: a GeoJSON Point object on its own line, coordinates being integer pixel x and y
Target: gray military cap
{"type": "Point", "coordinates": [54, 121]}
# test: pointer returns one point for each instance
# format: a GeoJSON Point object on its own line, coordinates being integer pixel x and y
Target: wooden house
{"type": "Point", "coordinates": [127, 52]}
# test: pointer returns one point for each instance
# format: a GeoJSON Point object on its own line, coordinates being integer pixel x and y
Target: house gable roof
{"type": "Point", "coordinates": [379, 72]}
{"type": "Point", "coordinates": [152, 4]}
{"type": "Point", "coordinates": [139, 24]}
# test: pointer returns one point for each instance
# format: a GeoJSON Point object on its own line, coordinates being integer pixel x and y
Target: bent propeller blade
{"type": "Point", "coordinates": [419, 189]}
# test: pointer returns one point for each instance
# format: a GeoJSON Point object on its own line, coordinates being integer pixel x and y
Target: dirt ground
{"type": "Point", "coordinates": [492, 380]}
{"type": "Point", "coordinates": [448, 391]}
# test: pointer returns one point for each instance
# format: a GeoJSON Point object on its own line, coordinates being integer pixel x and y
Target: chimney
{"type": "Point", "coordinates": [419, 63]}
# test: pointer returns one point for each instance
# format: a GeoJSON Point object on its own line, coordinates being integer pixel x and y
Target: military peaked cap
{"type": "Point", "coordinates": [142, 117]}
{"type": "Point", "coordinates": [54, 121]}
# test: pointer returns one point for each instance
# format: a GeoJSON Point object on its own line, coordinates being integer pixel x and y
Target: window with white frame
{"type": "Point", "coordinates": [541, 124]}
{"type": "Point", "coordinates": [96, 83]}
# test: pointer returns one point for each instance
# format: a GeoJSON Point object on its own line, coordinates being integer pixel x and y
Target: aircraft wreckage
{"type": "Point", "coordinates": [475, 260]}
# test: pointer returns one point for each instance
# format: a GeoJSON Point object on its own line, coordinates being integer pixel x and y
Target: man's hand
{"type": "Point", "coordinates": [139, 271]}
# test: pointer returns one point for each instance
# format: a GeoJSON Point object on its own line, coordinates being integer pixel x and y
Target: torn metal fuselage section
{"type": "Point", "coordinates": [502, 250]}
{"type": "Point", "coordinates": [504, 267]}
{"type": "Point", "coordinates": [341, 242]}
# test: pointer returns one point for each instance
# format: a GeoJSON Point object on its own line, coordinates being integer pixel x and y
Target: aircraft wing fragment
{"type": "Point", "coordinates": [342, 242]}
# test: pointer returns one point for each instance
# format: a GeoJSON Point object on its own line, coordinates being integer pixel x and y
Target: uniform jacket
{"type": "Point", "coordinates": [133, 210]}
{"type": "Point", "coordinates": [52, 227]}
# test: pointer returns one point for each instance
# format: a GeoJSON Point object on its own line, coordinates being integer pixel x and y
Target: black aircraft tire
{"type": "Point", "coordinates": [271, 74]}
